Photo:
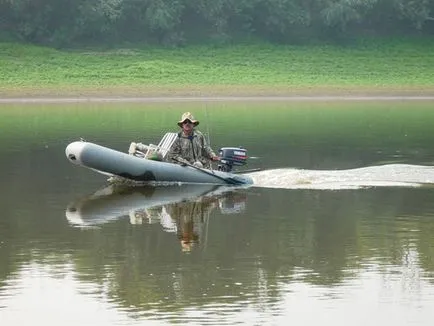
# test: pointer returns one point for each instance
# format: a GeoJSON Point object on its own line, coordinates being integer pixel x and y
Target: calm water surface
{"type": "Point", "coordinates": [336, 231]}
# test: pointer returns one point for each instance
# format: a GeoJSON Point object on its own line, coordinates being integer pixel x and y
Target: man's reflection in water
{"type": "Point", "coordinates": [188, 218]}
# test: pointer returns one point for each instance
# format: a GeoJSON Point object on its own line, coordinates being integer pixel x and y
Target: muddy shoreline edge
{"type": "Point", "coordinates": [66, 94]}
{"type": "Point", "coordinates": [209, 99]}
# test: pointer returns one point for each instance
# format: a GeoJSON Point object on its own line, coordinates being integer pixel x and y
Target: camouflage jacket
{"type": "Point", "coordinates": [191, 149]}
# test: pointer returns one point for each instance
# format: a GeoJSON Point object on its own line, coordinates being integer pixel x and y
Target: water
{"type": "Point", "coordinates": [337, 228]}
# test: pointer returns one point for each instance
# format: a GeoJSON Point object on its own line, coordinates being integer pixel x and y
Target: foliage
{"type": "Point", "coordinates": [177, 22]}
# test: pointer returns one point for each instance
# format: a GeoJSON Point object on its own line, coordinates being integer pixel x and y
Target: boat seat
{"type": "Point", "coordinates": [161, 149]}
{"type": "Point", "coordinates": [166, 143]}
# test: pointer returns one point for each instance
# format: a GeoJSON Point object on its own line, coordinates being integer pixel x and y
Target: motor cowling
{"type": "Point", "coordinates": [230, 157]}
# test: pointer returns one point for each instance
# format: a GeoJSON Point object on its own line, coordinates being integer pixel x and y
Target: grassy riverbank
{"type": "Point", "coordinates": [404, 67]}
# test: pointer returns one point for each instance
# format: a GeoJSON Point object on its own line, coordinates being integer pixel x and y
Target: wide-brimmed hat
{"type": "Point", "coordinates": [187, 116]}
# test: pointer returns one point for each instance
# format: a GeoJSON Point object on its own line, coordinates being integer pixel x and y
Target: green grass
{"type": "Point", "coordinates": [271, 68]}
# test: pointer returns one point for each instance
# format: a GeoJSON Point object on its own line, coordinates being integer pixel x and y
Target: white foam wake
{"type": "Point", "coordinates": [391, 175]}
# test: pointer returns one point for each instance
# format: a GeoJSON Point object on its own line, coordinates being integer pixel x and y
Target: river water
{"type": "Point", "coordinates": [336, 230]}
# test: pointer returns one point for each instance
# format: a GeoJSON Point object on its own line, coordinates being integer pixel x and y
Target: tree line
{"type": "Point", "coordinates": [178, 22]}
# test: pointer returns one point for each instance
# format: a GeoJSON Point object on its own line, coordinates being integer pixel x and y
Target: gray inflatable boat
{"type": "Point", "coordinates": [115, 163]}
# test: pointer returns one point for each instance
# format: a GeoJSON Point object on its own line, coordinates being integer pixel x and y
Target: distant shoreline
{"type": "Point", "coordinates": [174, 99]}
{"type": "Point", "coordinates": [213, 93]}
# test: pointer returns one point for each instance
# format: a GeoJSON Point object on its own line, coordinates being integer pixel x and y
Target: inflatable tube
{"type": "Point", "coordinates": [112, 162]}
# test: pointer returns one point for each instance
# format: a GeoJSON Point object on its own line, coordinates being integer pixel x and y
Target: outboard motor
{"type": "Point", "coordinates": [230, 157]}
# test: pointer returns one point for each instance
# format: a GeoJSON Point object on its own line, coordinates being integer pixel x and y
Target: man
{"type": "Point", "coordinates": [191, 147]}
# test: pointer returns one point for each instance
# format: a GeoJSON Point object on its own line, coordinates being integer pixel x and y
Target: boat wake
{"type": "Point", "coordinates": [391, 175]}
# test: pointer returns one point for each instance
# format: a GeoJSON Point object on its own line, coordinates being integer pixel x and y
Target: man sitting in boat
{"type": "Point", "coordinates": [191, 147]}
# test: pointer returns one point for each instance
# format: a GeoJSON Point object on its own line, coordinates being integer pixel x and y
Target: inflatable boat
{"type": "Point", "coordinates": [115, 163]}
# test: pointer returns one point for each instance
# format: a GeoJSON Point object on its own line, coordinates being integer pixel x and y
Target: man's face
{"type": "Point", "coordinates": [187, 125]}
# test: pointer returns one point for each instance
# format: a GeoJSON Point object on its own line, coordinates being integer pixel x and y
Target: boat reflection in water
{"type": "Point", "coordinates": [180, 209]}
